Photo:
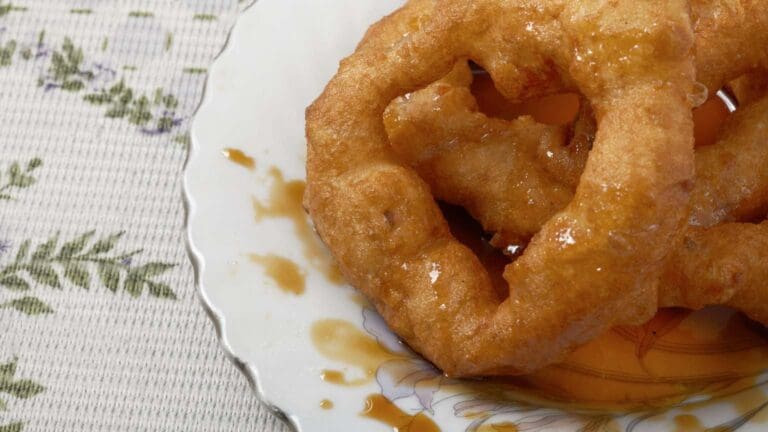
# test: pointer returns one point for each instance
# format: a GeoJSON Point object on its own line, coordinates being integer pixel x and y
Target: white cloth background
{"type": "Point", "coordinates": [90, 359]}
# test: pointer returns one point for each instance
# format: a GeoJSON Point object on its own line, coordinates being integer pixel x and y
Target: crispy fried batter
{"type": "Point", "coordinates": [731, 176]}
{"type": "Point", "coordinates": [725, 264]}
{"type": "Point", "coordinates": [731, 39]}
{"type": "Point", "coordinates": [590, 266]}
{"type": "Point", "coordinates": [715, 264]}
{"type": "Point", "coordinates": [749, 87]}
{"type": "Point", "coordinates": [456, 149]}
{"type": "Point", "coordinates": [510, 175]}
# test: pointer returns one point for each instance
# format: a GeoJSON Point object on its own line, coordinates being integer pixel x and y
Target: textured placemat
{"type": "Point", "coordinates": [100, 325]}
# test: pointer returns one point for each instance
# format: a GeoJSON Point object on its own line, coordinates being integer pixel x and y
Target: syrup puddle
{"type": "Point", "coordinates": [337, 377]}
{"type": "Point", "coordinates": [688, 423]}
{"type": "Point", "coordinates": [285, 273]}
{"type": "Point", "coordinates": [239, 157]}
{"type": "Point", "coordinates": [341, 341]}
{"type": "Point", "coordinates": [379, 408]}
{"type": "Point", "coordinates": [285, 201]}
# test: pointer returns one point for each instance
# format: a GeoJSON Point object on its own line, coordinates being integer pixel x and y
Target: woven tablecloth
{"type": "Point", "coordinates": [100, 325]}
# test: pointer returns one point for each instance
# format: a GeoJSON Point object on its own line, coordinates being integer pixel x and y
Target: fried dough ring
{"type": "Point", "coordinates": [474, 161]}
{"type": "Point", "coordinates": [589, 268]}
{"type": "Point", "coordinates": [504, 172]}
{"type": "Point", "coordinates": [512, 176]}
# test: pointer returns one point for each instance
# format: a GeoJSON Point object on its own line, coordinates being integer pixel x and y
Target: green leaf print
{"type": "Point", "coordinates": [66, 67]}
{"type": "Point", "coordinates": [12, 427]}
{"type": "Point", "coordinates": [109, 274]}
{"type": "Point", "coordinates": [14, 283]}
{"type": "Point", "coordinates": [123, 102]}
{"type": "Point", "coordinates": [43, 273]}
{"type": "Point", "coordinates": [16, 388]}
{"type": "Point", "coordinates": [28, 306]}
{"type": "Point", "coordinates": [153, 269]}
{"type": "Point", "coordinates": [77, 274]}
{"type": "Point", "coordinates": [106, 244]}
{"type": "Point", "coordinates": [23, 249]}
{"type": "Point", "coordinates": [153, 113]}
{"type": "Point", "coordinates": [75, 246]}
{"type": "Point", "coordinates": [161, 290]}
{"type": "Point", "coordinates": [79, 262]}
{"type": "Point", "coordinates": [8, 370]}
{"type": "Point", "coordinates": [5, 8]}
{"type": "Point", "coordinates": [7, 50]}
{"type": "Point", "coordinates": [45, 250]}
{"type": "Point", "coordinates": [17, 178]}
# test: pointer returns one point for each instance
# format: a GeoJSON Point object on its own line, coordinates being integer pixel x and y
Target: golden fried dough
{"type": "Point", "coordinates": [589, 267]}
{"type": "Point", "coordinates": [731, 39]}
{"type": "Point", "coordinates": [715, 264]}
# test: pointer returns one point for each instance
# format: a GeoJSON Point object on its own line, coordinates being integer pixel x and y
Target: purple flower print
{"type": "Point", "coordinates": [5, 246]}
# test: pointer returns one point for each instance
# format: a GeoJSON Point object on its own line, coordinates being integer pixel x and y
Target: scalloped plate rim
{"type": "Point", "coordinates": [197, 259]}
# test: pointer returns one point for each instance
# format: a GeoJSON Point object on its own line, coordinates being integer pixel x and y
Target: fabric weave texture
{"type": "Point", "coordinates": [100, 325]}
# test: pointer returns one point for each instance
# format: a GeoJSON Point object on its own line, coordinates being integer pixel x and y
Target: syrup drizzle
{"type": "Point", "coordinates": [286, 274]}
{"type": "Point", "coordinates": [341, 341]}
{"type": "Point", "coordinates": [379, 408]}
{"type": "Point", "coordinates": [239, 157]}
{"type": "Point", "coordinates": [285, 201]}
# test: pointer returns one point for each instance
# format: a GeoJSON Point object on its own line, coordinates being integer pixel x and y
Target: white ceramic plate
{"type": "Point", "coordinates": [280, 55]}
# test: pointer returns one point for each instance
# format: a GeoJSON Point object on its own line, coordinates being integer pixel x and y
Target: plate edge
{"type": "Point", "coordinates": [197, 260]}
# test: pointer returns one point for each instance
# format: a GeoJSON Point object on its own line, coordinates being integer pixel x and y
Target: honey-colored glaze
{"type": "Point", "coordinates": [560, 109]}
{"type": "Point", "coordinates": [498, 427]}
{"type": "Point", "coordinates": [715, 351]}
{"type": "Point", "coordinates": [555, 109]}
{"type": "Point", "coordinates": [285, 201]}
{"type": "Point", "coordinates": [379, 408]}
{"type": "Point", "coordinates": [239, 157]}
{"type": "Point", "coordinates": [326, 404]}
{"type": "Point", "coordinates": [338, 378]}
{"type": "Point", "coordinates": [359, 299]}
{"type": "Point", "coordinates": [469, 232]}
{"type": "Point", "coordinates": [341, 341]}
{"type": "Point", "coordinates": [286, 273]}
{"type": "Point", "coordinates": [676, 354]}
{"type": "Point", "coordinates": [679, 353]}
{"type": "Point", "coordinates": [688, 423]}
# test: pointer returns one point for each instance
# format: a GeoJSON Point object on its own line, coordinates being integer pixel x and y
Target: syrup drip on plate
{"type": "Point", "coordinates": [688, 423]}
{"type": "Point", "coordinates": [286, 274]}
{"type": "Point", "coordinates": [326, 404]}
{"type": "Point", "coordinates": [337, 377]}
{"type": "Point", "coordinates": [379, 408]}
{"type": "Point", "coordinates": [285, 201]}
{"type": "Point", "coordinates": [341, 341]}
{"type": "Point", "coordinates": [239, 157]}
